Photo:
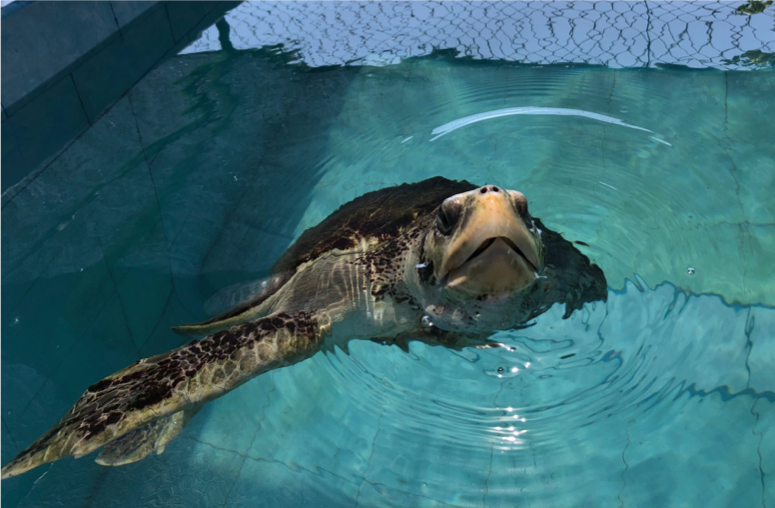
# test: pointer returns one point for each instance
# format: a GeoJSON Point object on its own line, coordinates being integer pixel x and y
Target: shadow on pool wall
{"type": "Point", "coordinates": [204, 173]}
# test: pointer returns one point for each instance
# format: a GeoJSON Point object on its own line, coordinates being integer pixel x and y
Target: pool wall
{"type": "Point", "coordinates": [70, 61]}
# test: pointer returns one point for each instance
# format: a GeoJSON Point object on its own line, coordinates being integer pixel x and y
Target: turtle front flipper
{"type": "Point", "coordinates": [182, 379]}
{"type": "Point", "coordinates": [573, 279]}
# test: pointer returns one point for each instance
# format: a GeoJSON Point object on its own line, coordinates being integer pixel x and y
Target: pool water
{"type": "Point", "coordinates": [207, 170]}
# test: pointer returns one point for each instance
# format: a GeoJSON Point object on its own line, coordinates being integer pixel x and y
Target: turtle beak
{"type": "Point", "coordinates": [494, 250]}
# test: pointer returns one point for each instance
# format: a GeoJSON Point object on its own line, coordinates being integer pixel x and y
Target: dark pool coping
{"type": "Point", "coordinates": [65, 63]}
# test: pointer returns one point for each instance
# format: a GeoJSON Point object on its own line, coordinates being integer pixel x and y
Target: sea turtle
{"type": "Point", "coordinates": [439, 261]}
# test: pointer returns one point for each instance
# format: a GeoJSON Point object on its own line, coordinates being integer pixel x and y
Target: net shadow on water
{"type": "Point", "coordinates": [206, 171]}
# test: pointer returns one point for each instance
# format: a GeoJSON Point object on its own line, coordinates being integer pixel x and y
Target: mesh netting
{"type": "Point", "coordinates": [617, 34]}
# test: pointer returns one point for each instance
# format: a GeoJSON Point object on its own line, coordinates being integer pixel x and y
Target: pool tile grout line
{"type": "Point", "coordinates": [115, 18]}
{"type": "Point", "coordinates": [33, 175]}
{"type": "Point", "coordinates": [750, 322]}
{"type": "Point", "coordinates": [69, 350]}
{"type": "Point", "coordinates": [169, 21]}
{"type": "Point", "coordinates": [34, 283]}
{"type": "Point", "coordinates": [118, 293]}
{"type": "Point", "coordinates": [762, 474]}
{"type": "Point", "coordinates": [10, 434]}
{"type": "Point", "coordinates": [191, 437]}
{"type": "Point", "coordinates": [165, 309]}
{"type": "Point", "coordinates": [102, 474]}
{"type": "Point", "coordinates": [626, 464]}
{"type": "Point", "coordinates": [725, 145]}
{"type": "Point", "coordinates": [492, 447]}
{"type": "Point", "coordinates": [252, 440]}
{"type": "Point", "coordinates": [371, 456]}
{"type": "Point", "coordinates": [80, 101]}
{"type": "Point", "coordinates": [316, 472]}
{"type": "Point", "coordinates": [158, 201]}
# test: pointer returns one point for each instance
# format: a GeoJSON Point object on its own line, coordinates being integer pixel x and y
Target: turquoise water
{"type": "Point", "coordinates": [205, 172]}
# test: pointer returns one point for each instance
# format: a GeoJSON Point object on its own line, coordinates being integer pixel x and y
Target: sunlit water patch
{"type": "Point", "coordinates": [661, 396]}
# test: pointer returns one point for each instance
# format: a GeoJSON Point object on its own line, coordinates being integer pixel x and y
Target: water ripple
{"type": "Point", "coordinates": [629, 164]}
{"type": "Point", "coordinates": [553, 389]}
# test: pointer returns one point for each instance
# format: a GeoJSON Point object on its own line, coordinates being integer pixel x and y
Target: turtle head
{"type": "Point", "coordinates": [483, 243]}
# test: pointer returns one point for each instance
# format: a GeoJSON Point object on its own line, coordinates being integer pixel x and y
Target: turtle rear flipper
{"type": "Point", "coordinates": [161, 386]}
{"type": "Point", "coordinates": [141, 442]}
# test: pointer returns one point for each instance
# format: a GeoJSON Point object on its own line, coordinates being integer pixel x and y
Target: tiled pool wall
{"type": "Point", "coordinates": [65, 63]}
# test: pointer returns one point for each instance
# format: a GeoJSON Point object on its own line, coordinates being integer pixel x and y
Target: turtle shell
{"type": "Point", "coordinates": [378, 214]}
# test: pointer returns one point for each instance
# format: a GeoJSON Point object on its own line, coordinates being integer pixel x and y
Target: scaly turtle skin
{"type": "Point", "coordinates": [470, 260]}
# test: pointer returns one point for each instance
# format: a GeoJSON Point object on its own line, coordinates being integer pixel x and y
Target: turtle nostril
{"type": "Point", "coordinates": [483, 190]}
{"type": "Point", "coordinates": [494, 188]}
{"type": "Point", "coordinates": [489, 188]}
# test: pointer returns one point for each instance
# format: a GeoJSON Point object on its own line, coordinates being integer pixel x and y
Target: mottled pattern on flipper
{"type": "Point", "coordinates": [573, 279]}
{"type": "Point", "coordinates": [165, 384]}
{"type": "Point", "coordinates": [149, 438]}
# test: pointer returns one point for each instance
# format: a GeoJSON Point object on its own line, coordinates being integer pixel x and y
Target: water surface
{"type": "Point", "coordinates": [207, 170]}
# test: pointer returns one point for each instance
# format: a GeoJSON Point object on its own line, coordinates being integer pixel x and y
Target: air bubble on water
{"type": "Point", "coordinates": [690, 270]}
{"type": "Point", "coordinates": [500, 369]}
{"type": "Point", "coordinates": [426, 322]}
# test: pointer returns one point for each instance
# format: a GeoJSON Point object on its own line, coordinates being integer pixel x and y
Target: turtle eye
{"type": "Point", "coordinates": [447, 218]}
